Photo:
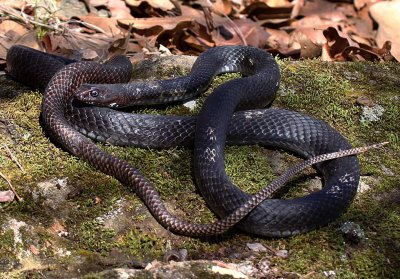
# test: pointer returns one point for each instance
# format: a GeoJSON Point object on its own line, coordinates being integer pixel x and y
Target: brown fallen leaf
{"type": "Point", "coordinates": [279, 44]}
{"type": "Point", "coordinates": [352, 53]}
{"type": "Point", "coordinates": [120, 46]}
{"type": "Point", "coordinates": [118, 9]}
{"type": "Point", "coordinates": [340, 47]}
{"type": "Point", "coordinates": [96, 3]}
{"type": "Point", "coordinates": [308, 49]}
{"type": "Point", "coordinates": [222, 6]}
{"type": "Point", "coordinates": [336, 43]}
{"type": "Point", "coordinates": [370, 53]}
{"type": "Point", "coordinates": [263, 11]}
{"type": "Point", "coordinates": [77, 46]}
{"type": "Point", "coordinates": [386, 52]}
{"type": "Point", "coordinates": [386, 14]}
{"type": "Point", "coordinates": [322, 7]}
{"type": "Point", "coordinates": [359, 4]}
{"type": "Point", "coordinates": [200, 17]}
{"type": "Point", "coordinates": [12, 33]}
{"type": "Point", "coordinates": [242, 31]}
{"type": "Point", "coordinates": [195, 40]}
{"type": "Point", "coordinates": [108, 25]}
{"type": "Point", "coordinates": [34, 250]}
{"type": "Point", "coordinates": [165, 5]}
{"type": "Point", "coordinates": [57, 227]}
{"type": "Point", "coordinates": [154, 26]}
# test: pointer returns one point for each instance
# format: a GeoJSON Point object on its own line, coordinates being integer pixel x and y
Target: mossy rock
{"type": "Point", "coordinates": [96, 216]}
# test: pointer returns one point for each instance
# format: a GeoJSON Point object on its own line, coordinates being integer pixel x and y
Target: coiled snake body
{"type": "Point", "coordinates": [293, 131]}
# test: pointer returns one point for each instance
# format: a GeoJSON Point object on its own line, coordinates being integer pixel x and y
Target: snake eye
{"type": "Point", "coordinates": [94, 93]}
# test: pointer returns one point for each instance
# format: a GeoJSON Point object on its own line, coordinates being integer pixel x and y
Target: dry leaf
{"type": "Point", "coordinates": [298, 4]}
{"type": "Point", "coordinates": [12, 33]}
{"type": "Point", "coordinates": [242, 31]}
{"type": "Point", "coordinates": [386, 15]}
{"type": "Point", "coordinates": [108, 25]}
{"type": "Point", "coordinates": [96, 3]}
{"type": "Point", "coordinates": [359, 4]}
{"type": "Point", "coordinates": [335, 45]}
{"type": "Point", "coordinates": [118, 9]}
{"type": "Point", "coordinates": [154, 26]}
{"type": "Point", "coordinates": [340, 47]}
{"type": "Point", "coordinates": [34, 250]}
{"type": "Point", "coordinates": [57, 227]}
{"type": "Point", "coordinates": [320, 7]}
{"type": "Point", "coordinates": [279, 43]}
{"type": "Point", "coordinates": [308, 49]}
{"type": "Point", "coordinates": [222, 6]}
{"type": "Point", "coordinates": [294, 28]}
{"type": "Point", "coordinates": [263, 11]}
{"type": "Point", "coordinates": [165, 5]}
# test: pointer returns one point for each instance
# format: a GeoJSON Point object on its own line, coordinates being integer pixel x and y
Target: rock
{"type": "Point", "coordinates": [190, 104]}
{"type": "Point", "coordinates": [163, 66]}
{"type": "Point", "coordinates": [366, 183]}
{"type": "Point", "coordinates": [70, 8]}
{"type": "Point", "coordinates": [256, 247]}
{"type": "Point", "coordinates": [264, 266]}
{"type": "Point", "coordinates": [246, 268]}
{"type": "Point", "coordinates": [313, 185]}
{"type": "Point", "coordinates": [352, 232]}
{"type": "Point", "coordinates": [371, 114]}
{"type": "Point", "coordinates": [176, 255]}
{"type": "Point", "coordinates": [387, 171]}
{"type": "Point", "coordinates": [282, 253]}
{"type": "Point", "coordinates": [227, 271]}
{"type": "Point", "coordinates": [330, 273]}
{"type": "Point", "coordinates": [55, 192]}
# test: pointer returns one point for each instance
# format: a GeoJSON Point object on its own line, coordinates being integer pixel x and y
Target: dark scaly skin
{"type": "Point", "coordinates": [26, 64]}
{"type": "Point", "coordinates": [299, 133]}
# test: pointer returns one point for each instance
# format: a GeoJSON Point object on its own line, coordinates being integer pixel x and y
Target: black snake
{"type": "Point", "coordinates": [289, 130]}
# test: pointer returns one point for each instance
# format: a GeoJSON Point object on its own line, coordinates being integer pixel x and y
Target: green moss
{"type": "Point", "coordinates": [316, 89]}
{"type": "Point", "coordinates": [369, 264]}
{"type": "Point", "coordinates": [139, 240]}
{"type": "Point", "coordinates": [7, 243]}
{"type": "Point", "coordinates": [94, 236]}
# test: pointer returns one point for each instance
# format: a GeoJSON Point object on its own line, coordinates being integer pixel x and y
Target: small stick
{"type": "Point", "coordinates": [11, 187]}
{"type": "Point", "coordinates": [14, 158]}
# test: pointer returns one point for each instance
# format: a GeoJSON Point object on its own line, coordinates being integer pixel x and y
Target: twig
{"type": "Point", "coordinates": [89, 25]}
{"type": "Point", "coordinates": [11, 187]}
{"type": "Point", "coordinates": [308, 275]}
{"type": "Point", "coordinates": [58, 26]}
{"type": "Point", "coordinates": [14, 158]}
{"type": "Point", "coordinates": [274, 251]}
{"type": "Point", "coordinates": [237, 29]}
{"type": "Point", "coordinates": [210, 24]}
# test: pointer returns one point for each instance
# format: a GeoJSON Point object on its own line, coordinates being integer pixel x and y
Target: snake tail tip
{"type": "Point", "coordinates": [377, 145]}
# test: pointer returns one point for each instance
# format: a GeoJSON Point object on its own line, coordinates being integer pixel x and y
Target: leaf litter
{"type": "Point", "coordinates": [332, 30]}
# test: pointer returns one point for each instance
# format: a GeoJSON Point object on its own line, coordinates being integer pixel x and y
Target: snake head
{"type": "Point", "coordinates": [98, 95]}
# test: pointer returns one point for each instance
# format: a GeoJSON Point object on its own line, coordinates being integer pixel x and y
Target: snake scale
{"type": "Point", "coordinates": [71, 124]}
